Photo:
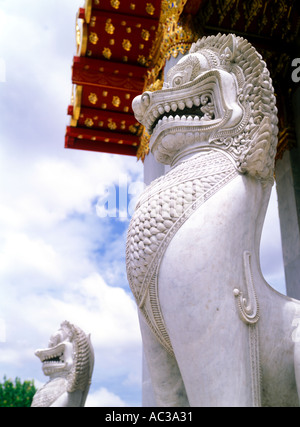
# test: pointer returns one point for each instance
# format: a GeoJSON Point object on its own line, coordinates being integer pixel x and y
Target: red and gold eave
{"type": "Point", "coordinates": [115, 40]}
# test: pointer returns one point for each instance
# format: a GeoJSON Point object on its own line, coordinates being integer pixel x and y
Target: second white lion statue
{"type": "Point", "coordinates": [68, 362]}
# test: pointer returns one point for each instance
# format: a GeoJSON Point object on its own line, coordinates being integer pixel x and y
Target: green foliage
{"type": "Point", "coordinates": [16, 394]}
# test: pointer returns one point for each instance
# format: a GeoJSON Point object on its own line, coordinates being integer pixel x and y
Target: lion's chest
{"type": "Point", "coordinates": [163, 207]}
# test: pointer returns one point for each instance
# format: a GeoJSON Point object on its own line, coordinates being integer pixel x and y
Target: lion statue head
{"type": "Point", "coordinates": [68, 361]}
{"type": "Point", "coordinates": [218, 96]}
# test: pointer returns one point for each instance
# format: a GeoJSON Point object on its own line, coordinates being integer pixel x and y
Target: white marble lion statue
{"type": "Point", "coordinates": [214, 332]}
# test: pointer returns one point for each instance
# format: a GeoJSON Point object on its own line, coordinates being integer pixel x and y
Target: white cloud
{"type": "Point", "coordinates": [108, 313]}
{"type": "Point", "coordinates": [104, 398]}
{"type": "Point", "coordinates": [50, 189]}
{"type": "Point", "coordinates": [24, 254]}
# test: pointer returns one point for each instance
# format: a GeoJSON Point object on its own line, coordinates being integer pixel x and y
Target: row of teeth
{"type": "Point", "coordinates": [174, 106]}
{"type": "Point", "coordinates": [166, 119]}
{"type": "Point", "coordinates": [50, 359]}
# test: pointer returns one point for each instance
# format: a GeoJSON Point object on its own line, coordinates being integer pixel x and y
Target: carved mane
{"type": "Point", "coordinates": [80, 376]}
{"type": "Point", "coordinates": [254, 146]}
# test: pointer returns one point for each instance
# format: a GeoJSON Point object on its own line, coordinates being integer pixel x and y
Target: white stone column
{"type": "Point", "coordinates": [152, 169]}
{"type": "Point", "coordinates": [288, 191]}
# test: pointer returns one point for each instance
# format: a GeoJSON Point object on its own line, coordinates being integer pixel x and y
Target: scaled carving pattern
{"type": "Point", "coordinates": [69, 362]}
{"type": "Point", "coordinates": [162, 209]}
{"type": "Point", "coordinates": [214, 332]}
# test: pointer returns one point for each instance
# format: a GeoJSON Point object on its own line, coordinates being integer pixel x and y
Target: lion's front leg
{"type": "Point", "coordinates": [167, 383]}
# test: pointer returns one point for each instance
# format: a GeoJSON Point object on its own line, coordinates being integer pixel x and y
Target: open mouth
{"type": "Point", "coordinates": [202, 102]}
{"type": "Point", "coordinates": [198, 109]}
{"type": "Point", "coordinates": [53, 359]}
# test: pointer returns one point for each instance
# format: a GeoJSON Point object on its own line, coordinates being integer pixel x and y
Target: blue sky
{"type": "Point", "coordinates": [60, 259]}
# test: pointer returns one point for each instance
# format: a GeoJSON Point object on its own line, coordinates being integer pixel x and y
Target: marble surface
{"type": "Point", "coordinates": [214, 332]}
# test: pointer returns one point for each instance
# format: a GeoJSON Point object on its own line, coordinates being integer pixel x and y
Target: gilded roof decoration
{"type": "Point", "coordinates": [114, 40]}
{"type": "Point", "coordinates": [123, 45]}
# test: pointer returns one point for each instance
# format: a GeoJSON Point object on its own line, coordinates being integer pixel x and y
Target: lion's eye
{"type": "Point", "coordinates": [146, 99]}
{"type": "Point", "coordinates": [177, 81]}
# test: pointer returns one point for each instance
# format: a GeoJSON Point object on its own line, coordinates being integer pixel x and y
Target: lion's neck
{"type": "Point", "coordinates": [50, 392]}
{"type": "Point", "coordinates": [192, 152]}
